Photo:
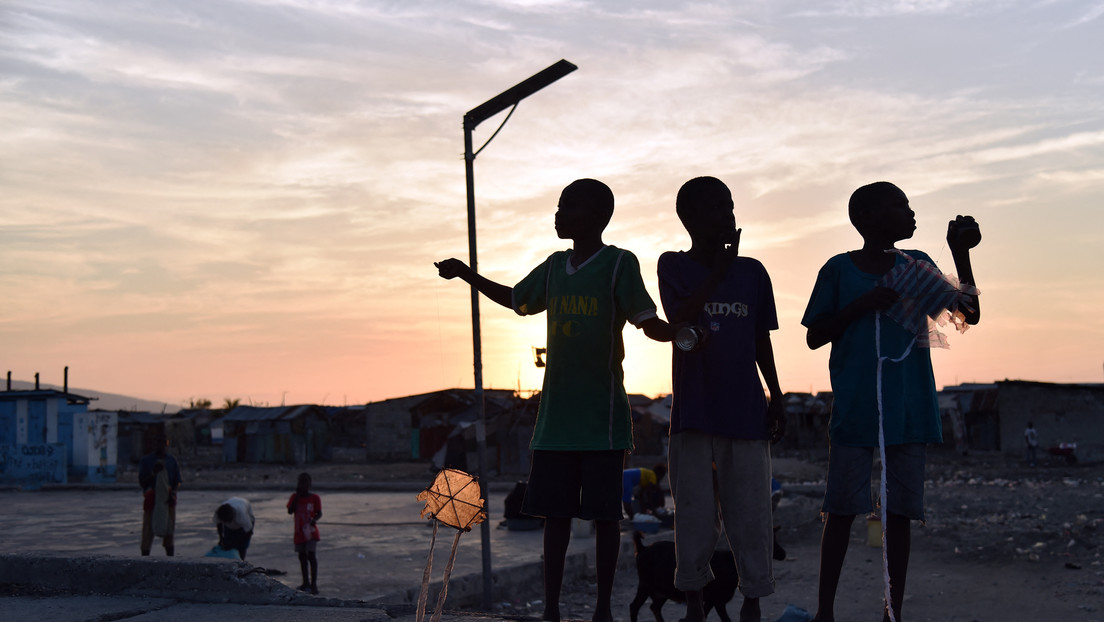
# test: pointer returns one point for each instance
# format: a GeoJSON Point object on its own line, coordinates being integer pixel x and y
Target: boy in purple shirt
{"type": "Point", "coordinates": [719, 416]}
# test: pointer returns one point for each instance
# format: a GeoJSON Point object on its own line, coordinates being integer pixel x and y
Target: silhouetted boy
{"type": "Point", "coordinates": [719, 414]}
{"type": "Point", "coordinates": [842, 310]}
{"type": "Point", "coordinates": [583, 423]}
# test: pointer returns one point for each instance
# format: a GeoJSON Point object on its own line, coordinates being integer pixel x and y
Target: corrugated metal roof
{"type": "Point", "coordinates": [41, 394]}
{"type": "Point", "coordinates": [268, 413]}
{"type": "Point", "coordinates": [140, 417]}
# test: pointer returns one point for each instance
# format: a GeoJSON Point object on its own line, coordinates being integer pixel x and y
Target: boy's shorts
{"type": "Point", "coordinates": [575, 484]}
{"type": "Point", "coordinates": [848, 491]}
{"type": "Point", "coordinates": [309, 546]}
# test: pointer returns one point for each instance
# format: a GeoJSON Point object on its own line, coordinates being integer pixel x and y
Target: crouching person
{"type": "Point", "coordinates": [234, 521]}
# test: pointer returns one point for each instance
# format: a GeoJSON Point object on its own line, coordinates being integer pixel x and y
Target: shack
{"type": "Point", "coordinates": [276, 434]}
{"type": "Point", "coordinates": [192, 426]}
{"type": "Point", "coordinates": [440, 427]}
{"type": "Point", "coordinates": [48, 436]}
{"type": "Point", "coordinates": [137, 434]}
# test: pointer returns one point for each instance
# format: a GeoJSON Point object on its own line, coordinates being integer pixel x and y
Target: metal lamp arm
{"type": "Point", "coordinates": [497, 130]}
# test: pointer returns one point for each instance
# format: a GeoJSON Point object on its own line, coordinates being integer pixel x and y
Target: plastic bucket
{"type": "Point", "coordinates": [874, 531]}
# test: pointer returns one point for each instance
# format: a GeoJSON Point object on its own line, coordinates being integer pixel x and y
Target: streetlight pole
{"type": "Point", "coordinates": [506, 99]}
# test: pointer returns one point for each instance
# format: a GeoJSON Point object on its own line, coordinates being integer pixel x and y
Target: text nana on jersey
{"type": "Point", "coordinates": [573, 305]}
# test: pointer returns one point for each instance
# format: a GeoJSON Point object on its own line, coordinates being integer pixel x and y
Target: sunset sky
{"type": "Point", "coordinates": [244, 199]}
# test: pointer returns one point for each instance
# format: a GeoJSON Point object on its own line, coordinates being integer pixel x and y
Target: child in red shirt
{"type": "Point", "coordinates": [307, 508]}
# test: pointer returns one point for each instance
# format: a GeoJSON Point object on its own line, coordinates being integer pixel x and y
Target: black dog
{"type": "Point", "coordinates": [655, 568]}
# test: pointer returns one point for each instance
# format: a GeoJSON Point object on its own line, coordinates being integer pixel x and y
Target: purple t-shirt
{"type": "Point", "coordinates": [716, 387]}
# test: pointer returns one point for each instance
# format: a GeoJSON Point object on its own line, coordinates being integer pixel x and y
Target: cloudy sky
{"type": "Point", "coordinates": [213, 199]}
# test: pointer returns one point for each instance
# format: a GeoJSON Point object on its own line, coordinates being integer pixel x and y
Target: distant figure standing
{"type": "Point", "coordinates": [234, 521]}
{"type": "Point", "coordinates": [1031, 443]}
{"type": "Point", "coordinates": [307, 509]}
{"type": "Point", "coordinates": [159, 477]}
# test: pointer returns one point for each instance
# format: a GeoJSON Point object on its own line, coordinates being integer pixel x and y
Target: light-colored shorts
{"type": "Point", "coordinates": [737, 495]}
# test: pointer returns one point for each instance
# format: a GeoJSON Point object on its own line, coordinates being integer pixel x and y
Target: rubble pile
{"type": "Point", "coordinates": [1039, 514]}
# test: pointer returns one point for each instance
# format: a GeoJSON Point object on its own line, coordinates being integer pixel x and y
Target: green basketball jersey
{"type": "Point", "coordinates": [583, 405]}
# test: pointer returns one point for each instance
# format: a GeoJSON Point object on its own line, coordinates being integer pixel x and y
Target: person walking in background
{"type": "Point", "coordinates": [1031, 443]}
{"type": "Point", "coordinates": [234, 522]}
{"type": "Point", "coordinates": [159, 477]}
{"type": "Point", "coordinates": [306, 507]}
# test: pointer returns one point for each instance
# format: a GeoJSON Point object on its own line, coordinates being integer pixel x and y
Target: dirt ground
{"type": "Point", "coordinates": [1003, 541]}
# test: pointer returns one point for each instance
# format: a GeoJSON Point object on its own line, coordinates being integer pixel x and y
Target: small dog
{"type": "Point", "coordinates": [655, 569]}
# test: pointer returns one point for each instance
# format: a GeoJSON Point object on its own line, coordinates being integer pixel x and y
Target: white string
{"type": "Point", "coordinates": [882, 452]}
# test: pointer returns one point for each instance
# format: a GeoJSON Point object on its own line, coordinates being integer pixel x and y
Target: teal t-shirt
{"type": "Point", "coordinates": [909, 399]}
{"type": "Point", "coordinates": [583, 405]}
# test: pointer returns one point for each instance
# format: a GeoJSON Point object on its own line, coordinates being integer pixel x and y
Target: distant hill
{"type": "Point", "coordinates": [104, 401]}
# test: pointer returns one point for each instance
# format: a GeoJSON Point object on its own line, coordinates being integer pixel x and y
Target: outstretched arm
{"type": "Point", "coordinates": [452, 268]}
{"type": "Point", "coordinates": [960, 244]}
{"type": "Point", "coordinates": [776, 411]}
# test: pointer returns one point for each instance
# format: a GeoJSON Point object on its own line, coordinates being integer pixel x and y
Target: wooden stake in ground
{"type": "Point", "coordinates": [453, 499]}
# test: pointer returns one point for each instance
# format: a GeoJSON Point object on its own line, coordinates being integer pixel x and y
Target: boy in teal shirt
{"type": "Point", "coordinates": [584, 425]}
{"type": "Point", "coordinates": [842, 309]}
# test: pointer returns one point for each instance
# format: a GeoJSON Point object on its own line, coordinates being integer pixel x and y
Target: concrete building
{"type": "Point", "coordinates": [48, 436]}
{"type": "Point", "coordinates": [994, 416]}
{"type": "Point", "coordinates": [1061, 413]}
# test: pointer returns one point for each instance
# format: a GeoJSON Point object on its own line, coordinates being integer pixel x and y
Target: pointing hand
{"type": "Point", "coordinates": [450, 268]}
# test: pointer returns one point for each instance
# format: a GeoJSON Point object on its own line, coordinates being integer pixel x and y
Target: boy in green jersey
{"type": "Point", "coordinates": [584, 425]}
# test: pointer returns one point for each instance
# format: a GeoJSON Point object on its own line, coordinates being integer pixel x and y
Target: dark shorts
{"type": "Point", "coordinates": [309, 546]}
{"type": "Point", "coordinates": [575, 484]}
{"type": "Point", "coordinates": [849, 474]}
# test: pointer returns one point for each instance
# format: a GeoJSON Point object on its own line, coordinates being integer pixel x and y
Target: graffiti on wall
{"type": "Point", "coordinates": [33, 465]}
